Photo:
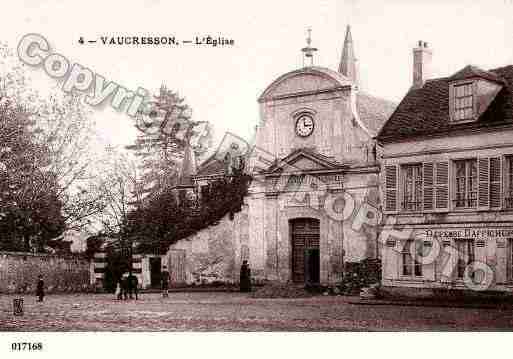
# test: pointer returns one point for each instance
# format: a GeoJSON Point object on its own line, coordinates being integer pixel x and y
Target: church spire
{"type": "Point", "coordinates": [348, 61]}
{"type": "Point", "coordinates": [188, 167]}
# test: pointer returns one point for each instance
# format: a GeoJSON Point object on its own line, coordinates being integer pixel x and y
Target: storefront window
{"type": "Point", "coordinates": [465, 248]}
{"type": "Point", "coordinates": [411, 264]}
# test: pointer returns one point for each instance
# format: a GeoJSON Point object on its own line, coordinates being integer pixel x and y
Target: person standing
{"type": "Point", "coordinates": [165, 282]}
{"type": "Point", "coordinates": [124, 286]}
{"type": "Point", "coordinates": [134, 283]}
{"type": "Point", "coordinates": [245, 277]}
{"type": "Point", "coordinates": [40, 289]}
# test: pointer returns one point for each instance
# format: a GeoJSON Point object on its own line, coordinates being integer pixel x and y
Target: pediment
{"type": "Point", "coordinates": [304, 161]}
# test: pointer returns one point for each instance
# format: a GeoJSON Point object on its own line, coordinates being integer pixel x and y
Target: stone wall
{"type": "Point", "coordinates": [215, 253]}
{"type": "Point", "coordinates": [19, 273]}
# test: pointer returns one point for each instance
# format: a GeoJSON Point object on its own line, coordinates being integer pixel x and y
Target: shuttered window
{"type": "Point", "coordinates": [509, 179]}
{"type": "Point", "coordinates": [428, 192]}
{"type": "Point", "coordinates": [466, 183]}
{"type": "Point", "coordinates": [442, 185]}
{"type": "Point", "coordinates": [391, 188]}
{"type": "Point", "coordinates": [412, 187]}
{"type": "Point", "coordinates": [495, 182]}
{"type": "Point", "coordinates": [484, 183]}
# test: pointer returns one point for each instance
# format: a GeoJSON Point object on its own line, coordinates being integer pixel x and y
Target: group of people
{"type": "Point", "coordinates": [127, 287]}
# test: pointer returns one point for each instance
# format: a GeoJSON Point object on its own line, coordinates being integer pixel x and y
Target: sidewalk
{"type": "Point", "coordinates": [443, 303]}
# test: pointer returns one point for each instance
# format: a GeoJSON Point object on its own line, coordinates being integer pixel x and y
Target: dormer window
{"type": "Point", "coordinates": [463, 102]}
{"type": "Point", "coordinates": [471, 91]}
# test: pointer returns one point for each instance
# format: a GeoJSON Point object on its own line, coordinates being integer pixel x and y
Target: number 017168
{"type": "Point", "coordinates": [26, 346]}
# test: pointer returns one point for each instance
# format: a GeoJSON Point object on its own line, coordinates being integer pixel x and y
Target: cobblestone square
{"type": "Point", "coordinates": [238, 312]}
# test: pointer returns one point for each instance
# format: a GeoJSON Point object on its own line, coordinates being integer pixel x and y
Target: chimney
{"type": "Point", "coordinates": [422, 56]}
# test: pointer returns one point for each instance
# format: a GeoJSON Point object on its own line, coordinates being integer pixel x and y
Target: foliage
{"type": "Point", "coordinates": [358, 275]}
{"type": "Point", "coordinates": [164, 220]}
{"type": "Point", "coordinates": [163, 134]}
{"type": "Point", "coordinates": [30, 210]}
{"type": "Point", "coordinates": [44, 162]}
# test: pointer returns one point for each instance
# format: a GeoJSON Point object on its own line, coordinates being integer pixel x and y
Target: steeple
{"type": "Point", "coordinates": [348, 63]}
{"type": "Point", "coordinates": [188, 167]}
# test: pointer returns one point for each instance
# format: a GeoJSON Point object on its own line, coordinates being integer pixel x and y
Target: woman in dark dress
{"type": "Point", "coordinates": [245, 277]}
{"type": "Point", "coordinates": [40, 290]}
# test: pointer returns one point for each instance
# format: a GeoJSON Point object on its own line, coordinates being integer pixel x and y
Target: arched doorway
{"type": "Point", "coordinates": [305, 233]}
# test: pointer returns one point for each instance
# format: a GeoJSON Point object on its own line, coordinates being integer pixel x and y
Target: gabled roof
{"type": "Point", "coordinates": [426, 110]}
{"type": "Point", "coordinates": [471, 71]}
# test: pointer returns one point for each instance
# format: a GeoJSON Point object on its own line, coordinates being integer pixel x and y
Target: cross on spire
{"type": "Point", "coordinates": [308, 51]}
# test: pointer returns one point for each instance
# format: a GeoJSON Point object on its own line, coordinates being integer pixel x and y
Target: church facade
{"type": "Point", "coordinates": [314, 166]}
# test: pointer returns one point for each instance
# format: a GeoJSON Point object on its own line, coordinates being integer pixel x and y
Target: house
{"type": "Point", "coordinates": [447, 174]}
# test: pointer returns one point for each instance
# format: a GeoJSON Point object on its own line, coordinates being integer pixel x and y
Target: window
{"type": "Point", "coordinates": [411, 264]}
{"type": "Point", "coordinates": [463, 102]}
{"type": "Point", "coordinates": [412, 191]}
{"type": "Point", "coordinates": [466, 183]}
{"type": "Point", "coordinates": [465, 249]}
{"type": "Point", "coordinates": [509, 181]}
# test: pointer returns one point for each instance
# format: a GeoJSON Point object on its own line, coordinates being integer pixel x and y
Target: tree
{"type": "Point", "coordinates": [29, 205]}
{"type": "Point", "coordinates": [163, 133]}
{"type": "Point", "coordinates": [117, 180]}
{"type": "Point", "coordinates": [44, 160]}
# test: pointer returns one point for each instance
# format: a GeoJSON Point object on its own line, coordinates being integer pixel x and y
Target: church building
{"type": "Point", "coordinates": [314, 166]}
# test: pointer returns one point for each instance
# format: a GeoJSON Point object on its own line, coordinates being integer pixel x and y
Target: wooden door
{"type": "Point", "coordinates": [176, 267]}
{"type": "Point", "coordinates": [305, 244]}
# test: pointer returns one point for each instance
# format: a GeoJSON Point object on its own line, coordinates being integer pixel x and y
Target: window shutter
{"type": "Point", "coordinates": [495, 182]}
{"type": "Point", "coordinates": [427, 182]}
{"type": "Point", "coordinates": [391, 188]}
{"type": "Point", "coordinates": [442, 185]}
{"type": "Point", "coordinates": [484, 182]}
{"type": "Point", "coordinates": [451, 102]}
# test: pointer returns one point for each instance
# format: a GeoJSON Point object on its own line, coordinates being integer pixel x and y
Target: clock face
{"type": "Point", "coordinates": [304, 125]}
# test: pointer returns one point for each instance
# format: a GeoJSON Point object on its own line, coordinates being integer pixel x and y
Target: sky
{"type": "Point", "coordinates": [222, 84]}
